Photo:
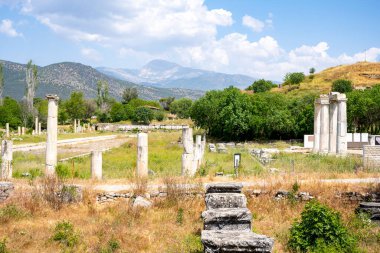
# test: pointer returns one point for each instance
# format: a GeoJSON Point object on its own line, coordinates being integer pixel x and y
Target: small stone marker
{"type": "Point", "coordinates": [227, 222]}
{"type": "Point", "coordinates": [96, 165]}
{"type": "Point", "coordinates": [212, 147]}
{"type": "Point", "coordinates": [7, 130]}
{"type": "Point", "coordinates": [142, 155]}
{"type": "Point", "coordinates": [6, 159]}
{"type": "Point", "coordinates": [6, 188]}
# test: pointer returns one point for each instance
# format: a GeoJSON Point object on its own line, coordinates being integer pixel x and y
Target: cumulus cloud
{"type": "Point", "coordinates": [6, 27]}
{"type": "Point", "coordinates": [255, 24]}
{"type": "Point", "coordinates": [183, 31]}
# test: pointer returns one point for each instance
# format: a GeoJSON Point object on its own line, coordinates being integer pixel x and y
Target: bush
{"type": "Point", "coordinates": [320, 224]}
{"type": "Point", "coordinates": [143, 115]}
{"type": "Point", "coordinates": [11, 212]}
{"type": "Point", "coordinates": [342, 86]}
{"type": "Point", "coordinates": [294, 78]}
{"type": "Point", "coordinates": [159, 115]}
{"type": "Point", "coordinates": [63, 171]}
{"type": "Point", "coordinates": [64, 234]}
{"type": "Point", "coordinates": [261, 85]}
{"type": "Point", "coordinates": [3, 246]}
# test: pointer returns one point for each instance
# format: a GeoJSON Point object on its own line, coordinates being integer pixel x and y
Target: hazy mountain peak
{"type": "Point", "coordinates": [160, 65]}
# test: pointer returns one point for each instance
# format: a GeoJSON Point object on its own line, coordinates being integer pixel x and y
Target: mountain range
{"type": "Point", "coordinates": [65, 77]}
{"type": "Point", "coordinates": [165, 74]}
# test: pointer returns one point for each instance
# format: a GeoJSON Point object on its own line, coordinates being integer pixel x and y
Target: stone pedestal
{"type": "Point", "coordinates": [52, 135]}
{"type": "Point", "coordinates": [227, 222]}
{"type": "Point", "coordinates": [96, 165]}
{"type": "Point", "coordinates": [142, 155]}
{"type": "Point", "coordinates": [6, 159]}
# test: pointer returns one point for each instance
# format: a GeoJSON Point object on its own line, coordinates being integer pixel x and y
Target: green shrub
{"type": "Point", "coordinates": [64, 234]}
{"type": "Point", "coordinates": [342, 86]}
{"type": "Point", "coordinates": [159, 115]}
{"type": "Point", "coordinates": [143, 115]}
{"type": "Point", "coordinates": [320, 223]}
{"type": "Point", "coordinates": [193, 244]}
{"type": "Point", "coordinates": [11, 212]}
{"type": "Point", "coordinates": [180, 216]}
{"type": "Point", "coordinates": [112, 246]}
{"type": "Point", "coordinates": [63, 171]}
{"type": "Point", "coordinates": [3, 246]}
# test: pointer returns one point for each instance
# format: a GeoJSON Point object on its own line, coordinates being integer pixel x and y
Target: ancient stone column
{"type": "Point", "coordinates": [22, 130]}
{"type": "Point", "coordinates": [197, 153]}
{"type": "Point", "coordinates": [75, 125]}
{"type": "Point", "coordinates": [18, 131]}
{"type": "Point", "coordinates": [333, 123]}
{"type": "Point", "coordinates": [79, 130]}
{"type": "Point", "coordinates": [36, 126]}
{"type": "Point", "coordinates": [187, 140]}
{"type": "Point", "coordinates": [6, 159]}
{"type": "Point", "coordinates": [317, 125]}
{"type": "Point", "coordinates": [96, 165]}
{"type": "Point", "coordinates": [188, 160]}
{"type": "Point", "coordinates": [142, 155]}
{"type": "Point", "coordinates": [342, 125]}
{"type": "Point", "coordinates": [324, 136]}
{"type": "Point", "coordinates": [39, 128]}
{"type": "Point", "coordinates": [7, 130]}
{"type": "Point", "coordinates": [52, 132]}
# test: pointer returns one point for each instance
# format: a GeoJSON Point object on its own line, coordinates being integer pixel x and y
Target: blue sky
{"type": "Point", "coordinates": [264, 39]}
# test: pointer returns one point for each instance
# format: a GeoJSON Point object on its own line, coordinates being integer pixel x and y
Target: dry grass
{"type": "Point", "coordinates": [169, 226]}
{"type": "Point", "coordinates": [322, 81]}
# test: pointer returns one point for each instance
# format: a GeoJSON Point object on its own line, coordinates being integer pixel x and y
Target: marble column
{"type": "Point", "coordinates": [75, 125]}
{"type": "Point", "coordinates": [142, 155]}
{"type": "Point", "coordinates": [22, 130]}
{"type": "Point", "coordinates": [96, 165]}
{"type": "Point", "coordinates": [317, 125]}
{"type": "Point", "coordinates": [188, 157]}
{"type": "Point", "coordinates": [333, 123]}
{"type": "Point", "coordinates": [39, 128]}
{"type": "Point", "coordinates": [6, 159]}
{"type": "Point", "coordinates": [52, 132]}
{"type": "Point", "coordinates": [19, 131]}
{"type": "Point", "coordinates": [324, 136]}
{"type": "Point", "coordinates": [187, 140]}
{"type": "Point", "coordinates": [197, 153]}
{"type": "Point", "coordinates": [342, 124]}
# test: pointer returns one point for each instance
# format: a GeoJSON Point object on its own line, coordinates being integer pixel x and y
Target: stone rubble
{"type": "Point", "coordinates": [141, 202]}
{"type": "Point", "coordinates": [227, 222]}
{"type": "Point", "coordinates": [6, 188]}
{"type": "Point", "coordinates": [372, 209]}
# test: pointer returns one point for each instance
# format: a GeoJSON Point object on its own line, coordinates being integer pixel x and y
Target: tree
{"type": "Point", "coordinates": [10, 112]}
{"type": "Point", "coordinates": [31, 85]}
{"type": "Point", "coordinates": [103, 94]}
{"type": "Point", "coordinates": [76, 106]}
{"type": "Point", "coordinates": [117, 112]}
{"type": "Point", "coordinates": [1, 83]}
{"type": "Point", "coordinates": [294, 78]}
{"type": "Point", "coordinates": [342, 86]}
{"type": "Point", "coordinates": [261, 86]}
{"type": "Point", "coordinates": [311, 71]}
{"type": "Point", "coordinates": [143, 115]}
{"type": "Point", "coordinates": [166, 102]}
{"type": "Point", "coordinates": [181, 107]}
{"type": "Point", "coordinates": [129, 93]}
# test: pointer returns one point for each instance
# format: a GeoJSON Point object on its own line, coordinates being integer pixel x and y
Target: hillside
{"type": "Point", "coordinates": [160, 73]}
{"type": "Point", "coordinates": [362, 75]}
{"type": "Point", "coordinates": [63, 78]}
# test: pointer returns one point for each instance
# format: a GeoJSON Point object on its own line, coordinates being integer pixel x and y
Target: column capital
{"type": "Point", "coordinates": [52, 97]}
{"type": "Point", "coordinates": [323, 100]}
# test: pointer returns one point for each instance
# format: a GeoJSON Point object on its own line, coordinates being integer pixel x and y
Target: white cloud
{"type": "Point", "coordinates": [253, 23]}
{"type": "Point", "coordinates": [183, 31]}
{"type": "Point", "coordinates": [257, 25]}
{"type": "Point", "coordinates": [91, 54]}
{"type": "Point", "coordinates": [6, 27]}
